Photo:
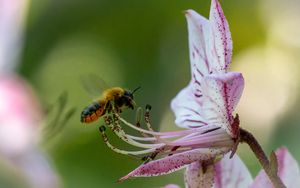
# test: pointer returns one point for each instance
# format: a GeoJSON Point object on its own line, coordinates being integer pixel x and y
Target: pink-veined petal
{"type": "Point", "coordinates": [220, 45]}
{"type": "Point", "coordinates": [210, 49]}
{"type": "Point", "coordinates": [221, 94]}
{"type": "Point", "coordinates": [175, 162]}
{"type": "Point", "coordinates": [231, 173]}
{"type": "Point", "coordinates": [197, 175]}
{"type": "Point", "coordinates": [187, 110]}
{"type": "Point", "coordinates": [288, 171]}
{"type": "Point", "coordinates": [198, 29]}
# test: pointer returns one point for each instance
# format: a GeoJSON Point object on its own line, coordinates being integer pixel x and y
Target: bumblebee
{"type": "Point", "coordinates": [115, 98]}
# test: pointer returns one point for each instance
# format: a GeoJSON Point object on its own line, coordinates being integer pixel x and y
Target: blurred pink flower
{"type": "Point", "coordinates": [20, 113]}
{"type": "Point", "coordinates": [234, 174]}
{"type": "Point", "coordinates": [20, 125]}
{"type": "Point", "coordinates": [204, 107]}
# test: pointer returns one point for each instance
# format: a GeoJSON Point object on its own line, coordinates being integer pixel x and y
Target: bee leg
{"type": "Point", "coordinates": [108, 107]}
{"type": "Point", "coordinates": [118, 110]}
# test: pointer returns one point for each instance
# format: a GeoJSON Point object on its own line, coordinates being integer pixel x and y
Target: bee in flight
{"type": "Point", "coordinates": [116, 97]}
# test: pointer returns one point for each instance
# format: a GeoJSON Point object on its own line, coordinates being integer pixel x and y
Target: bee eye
{"type": "Point", "coordinates": [128, 94]}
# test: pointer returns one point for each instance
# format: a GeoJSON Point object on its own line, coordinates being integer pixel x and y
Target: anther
{"type": "Point", "coordinates": [102, 129]}
{"type": "Point", "coordinates": [148, 107]}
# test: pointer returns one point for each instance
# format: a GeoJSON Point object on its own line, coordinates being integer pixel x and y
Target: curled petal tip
{"type": "Point", "coordinates": [122, 179]}
{"type": "Point", "coordinates": [130, 175]}
{"type": "Point", "coordinates": [188, 12]}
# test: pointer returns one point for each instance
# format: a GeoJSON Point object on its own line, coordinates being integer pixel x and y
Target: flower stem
{"type": "Point", "coordinates": [247, 137]}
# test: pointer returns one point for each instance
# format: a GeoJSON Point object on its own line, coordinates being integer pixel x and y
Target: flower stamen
{"type": "Point", "coordinates": [161, 144]}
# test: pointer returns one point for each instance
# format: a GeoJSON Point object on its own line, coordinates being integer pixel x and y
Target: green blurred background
{"type": "Point", "coordinates": [144, 43]}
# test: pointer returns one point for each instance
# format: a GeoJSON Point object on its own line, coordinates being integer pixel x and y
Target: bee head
{"type": "Point", "coordinates": [129, 94]}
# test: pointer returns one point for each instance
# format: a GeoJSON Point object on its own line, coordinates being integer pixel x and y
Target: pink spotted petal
{"type": "Point", "coordinates": [288, 171]}
{"type": "Point", "coordinates": [231, 173]}
{"type": "Point", "coordinates": [187, 110]}
{"type": "Point", "coordinates": [210, 45]}
{"type": "Point", "coordinates": [175, 162]}
{"type": "Point", "coordinates": [198, 175]}
{"type": "Point", "coordinates": [220, 45]}
{"type": "Point", "coordinates": [221, 94]}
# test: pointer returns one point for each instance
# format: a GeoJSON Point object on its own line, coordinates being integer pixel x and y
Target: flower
{"type": "Point", "coordinates": [20, 124]}
{"type": "Point", "coordinates": [213, 93]}
{"type": "Point", "coordinates": [234, 174]}
{"type": "Point", "coordinates": [20, 112]}
{"type": "Point", "coordinates": [204, 107]}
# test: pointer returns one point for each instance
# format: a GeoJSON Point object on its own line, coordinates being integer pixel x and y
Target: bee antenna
{"type": "Point", "coordinates": [135, 89]}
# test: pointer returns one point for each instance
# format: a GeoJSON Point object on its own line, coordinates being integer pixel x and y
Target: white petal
{"type": "Point", "coordinates": [198, 28]}
{"type": "Point", "coordinates": [187, 110]}
{"type": "Point", "coordinates": [221, 94]}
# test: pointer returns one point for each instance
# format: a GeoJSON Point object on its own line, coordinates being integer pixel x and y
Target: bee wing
{"type": "Point", "coordinates": [58, 115]}
{"type": "Point", "coordinates": [93, 85]}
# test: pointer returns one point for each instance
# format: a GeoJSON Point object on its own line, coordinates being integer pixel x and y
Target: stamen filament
{"type": "Point", "coordinates": [173, 133]}
{"type": "Point", "coordinates": [124, 152]}
{"type": "Point", "coordinates": [204, 140]}
{"type": "Point", "coordinates": [155, 143]}
{"type": "Point", "coordinates": [147, 121]}
{"type": "Point", "coordinates": [117, 129]}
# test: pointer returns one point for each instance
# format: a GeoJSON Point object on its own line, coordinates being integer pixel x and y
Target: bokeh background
{"type": "Point", "coordinates": [144, 43]}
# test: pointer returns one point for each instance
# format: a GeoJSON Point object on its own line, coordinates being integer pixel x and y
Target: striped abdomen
{"type": "Point", "coordinates": [93, 112]}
